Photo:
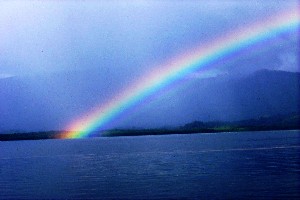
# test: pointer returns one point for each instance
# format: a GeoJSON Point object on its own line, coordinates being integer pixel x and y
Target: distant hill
{"type": "Point", "coordinates": [278, 122]}
{"type": "Point", "coordinates": [42, 103]}
{"type": "Point", "coordinates": [225, 98]}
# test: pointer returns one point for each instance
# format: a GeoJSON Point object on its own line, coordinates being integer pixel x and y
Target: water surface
{"type": "Point", "coordinates": [222, 165]}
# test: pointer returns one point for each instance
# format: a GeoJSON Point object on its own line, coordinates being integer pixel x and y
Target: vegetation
{"type": "Point", "coordinates": [279, 122]}
{"type": "Point", "coordinates": [29, 136]}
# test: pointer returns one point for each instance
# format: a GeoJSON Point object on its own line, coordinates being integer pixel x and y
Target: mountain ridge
{"type": "Point", "coordinates": [39, 103]}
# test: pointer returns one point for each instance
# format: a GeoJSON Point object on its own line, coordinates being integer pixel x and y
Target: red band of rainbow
{"type": "Point", "coordinates": [181, 66]}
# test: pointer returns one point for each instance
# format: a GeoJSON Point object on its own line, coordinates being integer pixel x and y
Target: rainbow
{"type": "Point", "coordinates": [181, 66]}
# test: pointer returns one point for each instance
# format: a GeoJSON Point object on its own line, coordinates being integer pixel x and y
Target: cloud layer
{"type": "Point", "coordinates": [49, 36]}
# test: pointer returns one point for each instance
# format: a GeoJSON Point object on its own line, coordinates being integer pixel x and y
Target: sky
{"type": "Point", "coordinates": [130, 38]}
{"type": "Point", "coordinates": [49, 36]}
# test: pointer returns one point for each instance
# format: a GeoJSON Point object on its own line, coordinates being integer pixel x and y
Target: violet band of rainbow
{"type": "Point", "coordinates": [181, 66]}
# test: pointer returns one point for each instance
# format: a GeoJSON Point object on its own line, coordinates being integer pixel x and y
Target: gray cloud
{"type": "Point", "coordinates": [289, 61]}
{"type": "Point", "coordinates": [49, 36]}
{"type": "Point", "coordinates": [65, 57]}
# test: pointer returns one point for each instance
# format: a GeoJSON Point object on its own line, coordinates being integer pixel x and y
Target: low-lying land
{"type": "Point", "coordinates": [280, 122]}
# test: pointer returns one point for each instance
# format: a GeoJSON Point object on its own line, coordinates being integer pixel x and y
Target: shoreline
{"type": "Point", "coordinates": [138, 132]}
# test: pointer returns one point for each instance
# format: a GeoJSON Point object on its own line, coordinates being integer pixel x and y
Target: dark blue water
{"type": "Point", "coordinates": [249, 165]}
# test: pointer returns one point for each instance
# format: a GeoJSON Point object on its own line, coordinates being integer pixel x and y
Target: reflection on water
{"type": "Point", "coordinates": [223, 165]}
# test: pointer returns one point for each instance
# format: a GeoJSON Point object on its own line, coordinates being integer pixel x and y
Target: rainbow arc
{"type": "Point", "coordinates": [180, 66]}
